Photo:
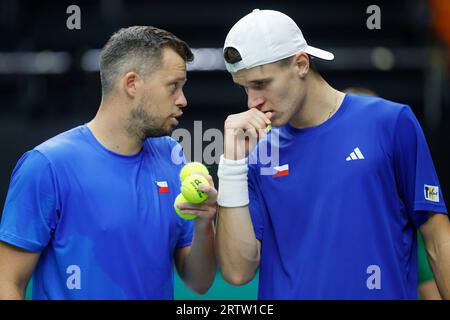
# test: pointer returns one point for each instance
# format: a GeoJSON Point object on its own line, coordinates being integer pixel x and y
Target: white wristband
{"type": "Point", "coordinates": [233, 187]}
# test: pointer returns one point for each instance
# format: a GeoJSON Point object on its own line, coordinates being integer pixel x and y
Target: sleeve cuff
{"type": "Point", "coordinates": [421, 210]}
{"type": "Point", "coordinates": [183, 244]}
{"type": "Point", "coordinates": [21, 243]}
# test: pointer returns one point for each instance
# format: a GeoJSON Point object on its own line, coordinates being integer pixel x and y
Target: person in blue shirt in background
{"type": "Point", "coordinates": [334, 213]}
{"type": "Point", "coordinates": [90, 212]}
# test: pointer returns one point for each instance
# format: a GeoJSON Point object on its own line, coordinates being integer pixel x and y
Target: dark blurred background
{"type": "Point", "coordinates": [49, 80]}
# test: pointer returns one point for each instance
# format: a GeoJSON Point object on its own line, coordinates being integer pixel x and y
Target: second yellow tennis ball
{"type": "Point", "coordinates": [191, 168]}
{"type": "Point", "coordinates": [190, 190]}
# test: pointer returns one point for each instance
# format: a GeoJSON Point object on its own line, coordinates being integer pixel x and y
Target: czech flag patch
{"type": "Point", "coordinates": [163, 187]}
{"type": "Point", "coordinates": [281, 171]}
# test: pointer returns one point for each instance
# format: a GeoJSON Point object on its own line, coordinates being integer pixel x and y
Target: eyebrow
{"type": "Point", "coordinates": [182, 79]}
{"type": "Point", "coordinates": [259, 80]}
{"type": "Point", "coordinates": [254, 81]}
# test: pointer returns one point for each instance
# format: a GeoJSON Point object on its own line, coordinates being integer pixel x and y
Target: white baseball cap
{"type": "Point", "coordinates": [266, 36]}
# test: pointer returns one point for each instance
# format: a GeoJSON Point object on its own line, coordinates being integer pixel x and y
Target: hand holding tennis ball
{"type": "Point", "coordinates": [190, 188]}
{"type": "Point", "coordinates": [202, 203]}
{"type": "Point", "coordinates": [191, 181]}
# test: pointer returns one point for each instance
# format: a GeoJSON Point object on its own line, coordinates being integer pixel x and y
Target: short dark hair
{"type": "Point", "coordinates": [232, 55]}
{"type": "Point", "coordinates": [137, 48]}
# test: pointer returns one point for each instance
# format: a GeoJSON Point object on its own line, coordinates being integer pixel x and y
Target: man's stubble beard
{"type": "Point", "coordinates": [142, 125]}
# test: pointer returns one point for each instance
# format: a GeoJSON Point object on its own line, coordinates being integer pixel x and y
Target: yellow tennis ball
{"type": "Point", "coordinates": [190, 190]}
{"type": "Point", "coordinates": [191, 168]}
{"type": "Point", "coordinates": [179, 199]}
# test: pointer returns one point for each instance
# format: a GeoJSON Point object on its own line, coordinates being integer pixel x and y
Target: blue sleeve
{"type": "Point", "coordinates": [416, 176]}
{"type": "Point", "coordinates": [29, 215]}
{"type": "Point", "coordinates": [186, 235]}
{"type": "Point", "coordinates": [256, 205]}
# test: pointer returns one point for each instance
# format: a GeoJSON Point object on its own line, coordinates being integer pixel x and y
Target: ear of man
{"type": "Point", "coordinates": [131, 83]}
{"type": "Point", "coordinates": [302, 63]}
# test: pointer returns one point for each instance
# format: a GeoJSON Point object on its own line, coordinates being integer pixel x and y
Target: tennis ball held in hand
{"type": "Point", "coordinates": [192, 168]}
{"type": "Point", "coordinates": [178, 200]}
{"type": "Point", "coordinates": [190, 190]}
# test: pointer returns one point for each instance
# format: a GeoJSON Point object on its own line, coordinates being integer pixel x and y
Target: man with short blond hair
{"type": "Point", "coordinates": [335, 217]}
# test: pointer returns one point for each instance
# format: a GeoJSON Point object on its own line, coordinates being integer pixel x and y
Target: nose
{"type": "Point", "coordinates": [254, 99]}
{"type": "Point", "coordinates": [181, 101]}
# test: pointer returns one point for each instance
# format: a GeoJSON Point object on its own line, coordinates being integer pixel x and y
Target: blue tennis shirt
{"type": "Point", "coordinates": [104, 223]}
{"type": "Point", "coordinates": [337, 213]}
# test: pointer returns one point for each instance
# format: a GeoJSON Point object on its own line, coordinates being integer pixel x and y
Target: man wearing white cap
{"type": "Point", "coordinates": [337, 217]}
